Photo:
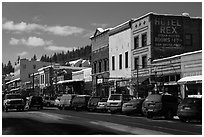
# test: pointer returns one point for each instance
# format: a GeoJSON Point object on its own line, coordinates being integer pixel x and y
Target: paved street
{"type": "Point", "coordinates": [68, 122]}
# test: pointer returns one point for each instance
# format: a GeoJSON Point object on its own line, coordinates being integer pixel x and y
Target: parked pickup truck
{"type": "Point", "coordinates": [13, 101]}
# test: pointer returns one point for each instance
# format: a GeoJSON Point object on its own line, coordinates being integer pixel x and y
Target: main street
{"type": "Point", "coordinates": [69, 122]}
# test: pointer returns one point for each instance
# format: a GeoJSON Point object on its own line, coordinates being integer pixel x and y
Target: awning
{"type": "Point", "coordinates": [14, 89]}
{"type": "Point", "coordinates": [14, 80]}
{"type": "Point", "coordinates": [69, 81]}
{"type": "Point", "coordinates": [141, 80]}
{"type": "Point", "coordinates": [190, 80]}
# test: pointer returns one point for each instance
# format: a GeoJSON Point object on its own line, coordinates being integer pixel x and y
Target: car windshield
{"type": "Point", "coordinates": [134, 101]}
{"type": "Point", "coordinates": [155, 98]}
{"type": "Point", "coordinates": [37, 98]}
{"type": "Point", "coordinates": [127, 97]}
{"type": "Point", "coordinates": [115, 97]}
{"type": "Point", "coordinates": [95, 99]}
{"type": "Point", "coordinates": [13, 96]}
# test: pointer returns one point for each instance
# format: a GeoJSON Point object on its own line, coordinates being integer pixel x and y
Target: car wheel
{"type": "Point", "coordinates": [169, 115]}
{"type": "Point", "coordinates": [6, 109]}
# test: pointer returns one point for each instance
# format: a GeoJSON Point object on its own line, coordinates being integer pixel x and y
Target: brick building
{"type": "Point", "coordinates": [157, 36]}
{"type": "Point", "coordinates": [100, 62]}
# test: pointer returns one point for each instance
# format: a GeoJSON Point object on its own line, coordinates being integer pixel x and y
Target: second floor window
{"type": "Point", "coordinates": [113, 62]}
{"type": "Point", "coordinates": [94, 67]}
{"type": "Point", "coordinates": [120, 61]}
{"type": "Point", "coordinates": [105, 65]}
{"type": "Point", "coordinates": [136, 63]}
{"type": "Point", "coordinates": [136, 42]}
{"type": "Point", "coordinates": [144, 61]}
{"type": "Point", "coordinates": [144, 39]}
{"type": "Point", "coordinates": [100, 66]}
{"type": "Point", "coordinates": [126, 59]}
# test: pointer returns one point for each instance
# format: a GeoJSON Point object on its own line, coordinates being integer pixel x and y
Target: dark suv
{"type": "Point", "coordinates": [93, 102]}
{"type": "Point", "coordinates": [35, 101]}
{"type": "Point", "coordinates": [80, 102]}
{"type": "Point", "coordinates": [190, 108]}
{"type": "Point", "coordinates": [160, 105]}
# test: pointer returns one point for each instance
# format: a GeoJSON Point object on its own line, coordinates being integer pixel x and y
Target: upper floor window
{"type": "Point", "coordinates": [113, 62]}
{"type": "Point", "coordinates": [100, 66]}
{"type": "Point", "coordinates": [94, 65]}
{"type": "Point", "coordinates": [136, 62]}
{"type": "Point", "coordinates": [144, 39]}
{"type": "Point", "coordinates": [136, 42]}
{"type": "Point", "coordinates": [120, 61]}
{"type": "Point", "coordinates": [144, 61]}
{"type": "Point", "coordinates": [126, 59]}
{"type": "Point", "coordinates": [105, 65]}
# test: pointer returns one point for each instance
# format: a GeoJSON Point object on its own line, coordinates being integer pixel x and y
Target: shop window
{"type": "Point", "coordinates": [136, 42]}
{"type": "Point", "coordinates": [144, 39]}
{"type": "Point", "coordinates": [166, 79]}
{"type": "Point", "coordinates": [178, 77]}
{"type": "Point", "coordinates": [172, 78]}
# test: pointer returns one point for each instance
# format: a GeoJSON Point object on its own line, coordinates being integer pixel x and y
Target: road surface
{"type": "Point", "coordinates": [70, 122]}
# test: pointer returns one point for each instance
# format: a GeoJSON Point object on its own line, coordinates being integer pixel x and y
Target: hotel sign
{"type": "Point", "coordinates": [167, 31]}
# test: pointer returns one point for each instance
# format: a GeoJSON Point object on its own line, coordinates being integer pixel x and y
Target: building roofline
{"type": "Point", "coordinates": [154, 13]}
{"type": "Point", "coordinates": [104, 30]}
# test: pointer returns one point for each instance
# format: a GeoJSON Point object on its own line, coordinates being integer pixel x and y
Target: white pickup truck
{"type": "Point", "coordinates": [13, 101]}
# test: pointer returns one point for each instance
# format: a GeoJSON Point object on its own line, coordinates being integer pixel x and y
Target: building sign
{"type": "Point", "coordinates": [168, 31]}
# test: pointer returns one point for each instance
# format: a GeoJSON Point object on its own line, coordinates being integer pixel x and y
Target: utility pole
{"type": "Point", "coordinates": [137, 82]}
{"type": "Point", "coordinates": [33, 83]}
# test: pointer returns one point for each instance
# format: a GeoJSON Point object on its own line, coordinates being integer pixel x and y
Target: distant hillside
{"type": "Point", "coordinates": [62, 58]}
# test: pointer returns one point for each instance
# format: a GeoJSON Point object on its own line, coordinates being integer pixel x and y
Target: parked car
{"type": "Point", "coordinates": [134, 106]}
{"type": "Point", "coordinates": [160, 105]}
{"type": "Point", "coordinates": [115, 102]}
{"type": "Point", "coordinates": [49, 101]}
{"type": "Point", "coordinates": [13, 101]}
{"type": "Point", "coordinates": [93, 102]}
{"type": "Point", "coordinates": [190, 108]}
{"type": "Point", "coordinates": [80, 102]}
{"type": "Point", "coordinates": [102, 105]}
{"type": "Point", "coordinates": [66, 101]}
{"type": "Point", "coordinates": [35, 102]}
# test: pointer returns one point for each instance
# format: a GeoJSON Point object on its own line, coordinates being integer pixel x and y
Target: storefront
{"type": "Point", "coordinates": [191, 76]}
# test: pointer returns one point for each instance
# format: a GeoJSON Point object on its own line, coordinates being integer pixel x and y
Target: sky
{"type": "Point", "coordinates": [41, 28]}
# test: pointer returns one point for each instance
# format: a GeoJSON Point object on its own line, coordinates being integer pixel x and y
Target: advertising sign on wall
{"type": "Point", "coordinates": [168, 31]}
{"type": "Point", "coordinates": [167, 38]}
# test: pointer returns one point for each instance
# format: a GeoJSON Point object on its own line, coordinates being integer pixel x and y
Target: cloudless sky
{"type": "Point", "coordinates": [48, 27]}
